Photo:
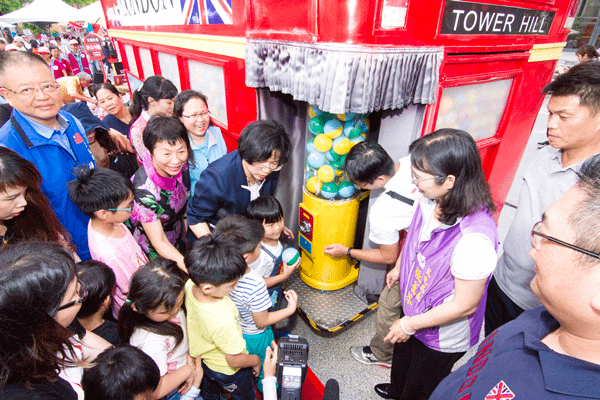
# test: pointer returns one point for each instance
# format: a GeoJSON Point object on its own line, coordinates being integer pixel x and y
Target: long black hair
{"type": "Point", "coordinates": [453, 152]}
{"type": "Point", "coordinates": [34, 277]}
{"type": "Point", "coordinates": [158, 283]}
{"type": "Point", "coordinates": [156, 87]}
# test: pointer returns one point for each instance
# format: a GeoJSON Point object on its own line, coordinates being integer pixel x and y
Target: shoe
{"type": "Point", "coordinates": [364, 355]}
{"type": "Point", "coordinates": [384, 390]}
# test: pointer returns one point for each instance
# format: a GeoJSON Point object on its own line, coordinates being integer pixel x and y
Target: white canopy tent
{"type": "Point", "coordinates": [92, 13]}
{"type": "Point", "coordinates": [42, 11]}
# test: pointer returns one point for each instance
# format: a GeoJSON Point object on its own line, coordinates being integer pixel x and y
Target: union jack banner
{"type": "Point", "coordinates": [207, 12]}
{"type": "Point", "coordinates": [500, 392]}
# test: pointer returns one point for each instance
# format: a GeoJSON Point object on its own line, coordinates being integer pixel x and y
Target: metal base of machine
{"type": "Point", "coordinates": [328, 311]}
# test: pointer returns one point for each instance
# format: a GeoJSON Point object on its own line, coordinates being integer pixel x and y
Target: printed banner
{"type": "Point", "coordinates": [168, 12]}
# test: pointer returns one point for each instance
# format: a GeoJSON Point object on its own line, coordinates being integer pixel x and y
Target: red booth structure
{"type": "Point", "coordinates": [415, 65]}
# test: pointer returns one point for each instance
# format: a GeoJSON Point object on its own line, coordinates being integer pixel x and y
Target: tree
{"type": "Point", "coordinates": [7, 6]}
{"type": "Point", "coordinates": [80, 3]}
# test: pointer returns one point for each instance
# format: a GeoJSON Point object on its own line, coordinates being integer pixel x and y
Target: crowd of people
{"type": "Point", "coordinates": [140, 259]}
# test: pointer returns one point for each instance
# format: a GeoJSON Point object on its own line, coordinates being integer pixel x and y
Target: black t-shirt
{"type": "Point", "coordinates": [39, 390]}
{"type": "Point", "coordinates": [117, 124]}
{"type": "Point", "coordinates": [108, 331]}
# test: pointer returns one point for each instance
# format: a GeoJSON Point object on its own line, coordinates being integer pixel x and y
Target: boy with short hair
{"type": "Point", "coordinates": [250, 295]}
{"type": "Point", "coordinates": [107, 198]}
{"type": "Point", "coordinates": [267, 210]}
{"type": "Point", "coordinates": [99, 280]}
{"type": "Point", "coordinates": [120, 373]}
{"type": "Point", "coordinates": [212, 319]}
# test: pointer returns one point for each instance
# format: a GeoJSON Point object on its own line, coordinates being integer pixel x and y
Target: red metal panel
{"type": "Point", "coordinates": [525, 105]}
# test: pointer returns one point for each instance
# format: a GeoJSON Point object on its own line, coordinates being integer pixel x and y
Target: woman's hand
{"type": "Point", "coordinates": [396, 333]}
{"type": "Point", "coordinates": [336, 250]}
{"type": "Point", "coordinates": [197, 371]}
{"type": "Point", "coordinates": [121, 141]}
{"type": "Point", "coordinates": [270, 366]}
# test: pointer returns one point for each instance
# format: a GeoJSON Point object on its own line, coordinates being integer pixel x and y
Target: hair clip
{"type": "Point", "coordinates": [128, 301]}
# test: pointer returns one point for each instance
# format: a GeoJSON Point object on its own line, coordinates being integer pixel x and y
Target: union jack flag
{"type": "Point", "coordinates": [500, 392]}
{"type": "Point", "coordinates": [207, 12]}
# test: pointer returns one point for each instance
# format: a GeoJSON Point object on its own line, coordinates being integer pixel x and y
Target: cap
{"type": "Point", "coordinates": [82, 112]}
{"type": "Point", "coordinates": [10, 47]}
{"type": "Point", "coordinates": [73, 41]}
{"type": "Point", "coordinates": [18, 39]}
{"type": "Point", "coordinates": [43, 49]}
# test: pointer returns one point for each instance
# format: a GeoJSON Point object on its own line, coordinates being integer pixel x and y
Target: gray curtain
{"type": "Point", "coordinates": [293, 116]}
{"type": "Point", "coordinates": [342, 78]}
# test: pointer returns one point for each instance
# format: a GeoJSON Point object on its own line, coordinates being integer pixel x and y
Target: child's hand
{"type": "Point", "coordinates": [288, 269]}
{"type": "Point", "coordinates": [270, 365]}
{"type": "Point", "coordinates": [256, 367]}
{"type": "Point", "coordinates": [288, 232]}
{"type": "Point", "coordinates": [197, 371]}
{"type": "Point", "coordinates": [292, 299]}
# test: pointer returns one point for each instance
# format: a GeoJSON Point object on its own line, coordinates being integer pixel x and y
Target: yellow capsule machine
{"type": "Point", "coordinates": [329, 210]}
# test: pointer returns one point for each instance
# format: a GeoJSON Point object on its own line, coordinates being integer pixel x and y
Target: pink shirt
{"type": "Point", "coordinates": [124, 256]}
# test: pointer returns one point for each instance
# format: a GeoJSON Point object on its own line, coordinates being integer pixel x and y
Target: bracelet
{"type": "Point", "coordinates": [404, 329]}
{"type": "Point", "coordinates": [348, 253]}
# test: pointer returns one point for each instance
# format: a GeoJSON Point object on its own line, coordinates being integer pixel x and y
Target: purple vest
{"type": "Point", "coordinates": [425, 276]}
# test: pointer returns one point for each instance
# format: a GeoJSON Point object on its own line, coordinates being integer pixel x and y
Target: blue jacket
{"type": "Point", "coordinates": [219, 190]}
{"type": "Point", "coordinates": [55, 165]}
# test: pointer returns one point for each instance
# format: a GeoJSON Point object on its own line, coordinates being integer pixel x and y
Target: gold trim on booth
{"type": "Point", "coordinates": [546, 51]}
{"type": "Point", "coordinates": [224, 45]}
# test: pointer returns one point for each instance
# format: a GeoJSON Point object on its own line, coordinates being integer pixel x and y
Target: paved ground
{"type": "Point", "coordinates": [329, 355]}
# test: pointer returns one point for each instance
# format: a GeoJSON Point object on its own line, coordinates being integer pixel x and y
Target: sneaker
{"type": "Point", "coordinates": [364, 355]}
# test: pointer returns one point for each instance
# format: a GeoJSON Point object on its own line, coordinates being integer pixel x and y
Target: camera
{"type": "Point", "coordinates": [291, 366]}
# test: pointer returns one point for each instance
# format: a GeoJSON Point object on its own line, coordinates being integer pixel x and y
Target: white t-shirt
{"type": "Point", "coordinates": [162, 348]}
{"type": "Point", "coordinates": [388, 216]}
{"type": "Point", "coordinates": [250, 296]}
{"type": "Point", "coordinates": [474, 257]}
{"type": "Point", "coordinates": [74, 373]}
{"type": "Point", "coordinates": [264, 264]}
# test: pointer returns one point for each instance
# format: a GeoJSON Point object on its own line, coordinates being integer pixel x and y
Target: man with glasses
{"type": "Point", "coordinates": [370, 167]}
{"type": "Point", "coordinates": [51, 139]}
{"type": "Point", "coordinates": [574, 136]}
{"type": "Point", "coordinates": [229, 184]}
{"type": "Point", "coordinates": [553, 351]}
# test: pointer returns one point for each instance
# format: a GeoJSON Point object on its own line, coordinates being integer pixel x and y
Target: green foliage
{"type": "Point", "coordinates": [33, 28]}
{"type": "Point", "coordinates": [7, 6]}
{"type": "Point", "coordinates": [81, 3]}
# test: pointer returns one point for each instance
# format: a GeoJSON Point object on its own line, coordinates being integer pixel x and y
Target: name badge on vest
{"type": "Point", "coordinates": [77, 138]}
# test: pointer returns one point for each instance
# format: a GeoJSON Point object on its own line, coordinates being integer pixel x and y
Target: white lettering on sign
{"type": "Point", "coordinates": [471, 18]}
{"type": "Point", "coordinates": [487, 21]}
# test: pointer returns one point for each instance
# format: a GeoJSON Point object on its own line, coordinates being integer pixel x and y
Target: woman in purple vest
{"type": "Point", "coordinates": [447, 260]}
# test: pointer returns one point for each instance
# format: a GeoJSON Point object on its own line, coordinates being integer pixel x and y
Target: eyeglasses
{"type": "Point", "coordinates": [81, 292]}
{"type": "Point", "coordinates": [120, 209]}
{"type": "Point", "coordinates": [196, 116]}
{"type": "Point", "coordinates": [49, 88]}
{"type": "Point", "coordinates": [536, 236]}
{"type": "Point", "coordinates": [274, 166]}
{"type": "Point", "coordinates": [414, 178]}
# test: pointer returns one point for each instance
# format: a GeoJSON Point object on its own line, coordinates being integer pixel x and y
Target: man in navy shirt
{"type": "Point", "coordinates": [553, 351]}
{"type": "Point", "coordinates": [51, 139]}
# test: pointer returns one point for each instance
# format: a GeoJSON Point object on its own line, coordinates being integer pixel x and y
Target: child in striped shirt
{"type": "Point", "coordinates": [250, 295]}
